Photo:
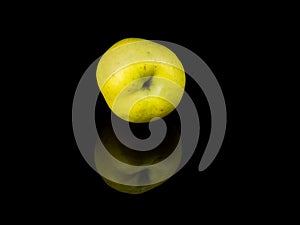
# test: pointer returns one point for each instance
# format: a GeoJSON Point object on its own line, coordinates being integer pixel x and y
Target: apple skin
{"type": "Point", "coordinates": [140, 80]}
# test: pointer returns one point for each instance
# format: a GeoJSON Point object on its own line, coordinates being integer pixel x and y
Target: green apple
{"type": "Point", "coordinates": [140, 80]}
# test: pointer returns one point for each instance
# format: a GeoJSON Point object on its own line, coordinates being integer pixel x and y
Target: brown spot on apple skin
{"type": "Point", "coordinates": [144, 67]}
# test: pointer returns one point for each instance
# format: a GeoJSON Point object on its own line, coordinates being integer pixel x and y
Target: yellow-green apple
{"type": "Point", "coordinates": [140, 80]}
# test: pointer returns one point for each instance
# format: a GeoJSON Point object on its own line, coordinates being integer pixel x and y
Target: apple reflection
{"type": "Point", "coordinates": [134, 172]}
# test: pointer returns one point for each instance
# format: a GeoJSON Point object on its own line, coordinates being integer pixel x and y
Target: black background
{"type": "Point", "coordinates": [228, 180]}
{"type": "Point", "coordinates": [235, 183]}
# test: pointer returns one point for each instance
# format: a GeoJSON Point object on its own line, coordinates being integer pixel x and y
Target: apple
{"type": "Point", "coordinates": [140, 80]}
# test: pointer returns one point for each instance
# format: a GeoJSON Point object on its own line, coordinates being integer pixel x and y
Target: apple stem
{"type": "Point", "coordinates": [147, 83]}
